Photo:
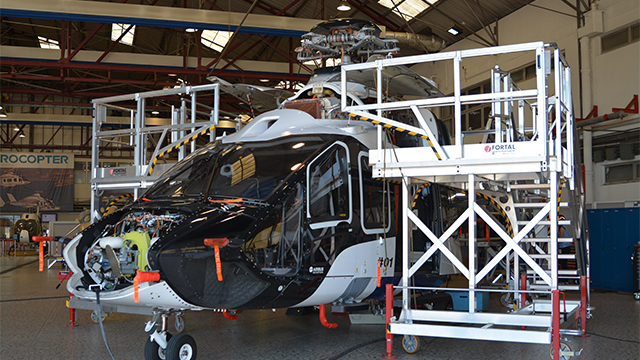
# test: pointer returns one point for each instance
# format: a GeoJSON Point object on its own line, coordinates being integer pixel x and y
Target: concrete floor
{"type": "Point", "coordinates": [33, 325]}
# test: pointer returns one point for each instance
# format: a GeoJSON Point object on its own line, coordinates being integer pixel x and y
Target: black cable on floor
{"type": "Point", "coordinates": [40, 298]}
{"type": "Point", "coordinates": [104, 337]}
{"type": "Point", "coordinates": [337, 356]}
{"type": "Point", "coordinates": [16, 267]}
{"type": "Point", "coordinates": [612, 338]}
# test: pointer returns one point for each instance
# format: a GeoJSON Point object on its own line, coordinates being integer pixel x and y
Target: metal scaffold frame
{"type": "Point", "coordinates": [522, 162]}
{"type": "Point", "coordinates": [146, 149]}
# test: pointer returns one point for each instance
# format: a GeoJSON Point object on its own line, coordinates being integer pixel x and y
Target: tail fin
{"type": "Point", "coordinates": [12, 199]}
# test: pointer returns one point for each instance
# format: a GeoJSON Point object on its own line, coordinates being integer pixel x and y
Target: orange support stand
{"type": "Point", "coordinates": [41, 240]}
{"type": "Point", "coordinates": [323, 319]}
{"type": "Point", "coordinates": [388, 314]}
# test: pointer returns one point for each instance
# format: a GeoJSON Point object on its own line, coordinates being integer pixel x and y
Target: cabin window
{"type": "Point", "coordinates": [375, 202]}
{"type": "Point", "coordinates": [329, 188]}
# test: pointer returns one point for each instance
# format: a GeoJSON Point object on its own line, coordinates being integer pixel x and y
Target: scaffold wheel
{"type": "Point", "coordinates": [563, 347]}
{"type": "Point", "coordinates": [94, 316]}
{"type": "Point", "coordinates": [410, 343]}
{"type": "Point", "coordinates": [179, 324]}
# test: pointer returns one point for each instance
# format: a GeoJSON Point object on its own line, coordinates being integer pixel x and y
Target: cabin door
{"type": "Point", "coordinates": [329, 202]}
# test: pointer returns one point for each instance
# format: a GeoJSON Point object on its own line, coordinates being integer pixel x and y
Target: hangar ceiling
{"type": "Point", "coordinates": [65, 49]}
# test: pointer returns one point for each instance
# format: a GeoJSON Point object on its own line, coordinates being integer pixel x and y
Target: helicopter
{"type": "Point", "coordinates": [9, 179]}
{"type": "Point", "coordinates": [284, 213]}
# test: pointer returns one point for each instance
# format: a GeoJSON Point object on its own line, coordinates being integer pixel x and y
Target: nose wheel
{"type": "Point", "coordinates": [163, 346]}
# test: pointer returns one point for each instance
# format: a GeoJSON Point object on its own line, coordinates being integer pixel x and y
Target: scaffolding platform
{"type": "Point", "coordinates": [526, 156]}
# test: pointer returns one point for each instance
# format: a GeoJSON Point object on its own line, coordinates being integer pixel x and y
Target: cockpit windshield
{"type": "Point", "coordinates": [247, 170]}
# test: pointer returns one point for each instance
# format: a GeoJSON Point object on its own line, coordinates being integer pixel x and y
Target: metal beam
{"type": "Point", "coordinates": [161, 64]}
{"type": "Point", "coordinates": [157, 16]}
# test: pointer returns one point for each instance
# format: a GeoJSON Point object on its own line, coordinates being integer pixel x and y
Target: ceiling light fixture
{"type": "Point", "coordinates": [16, 128]}
{"type": "Point", "coordinates": [22, 134]}
{"type": "Point", "coordinates": [3, 112]}
{"type": "Point", "coordinates": [455, 30]}
{"type": "Point", "coordinates": [155, 112]}
{"type": "Point", "coordinates": [344, 6]}
{"type": "Point", "coordinates": [191, 30]}
{"type": "Point", "coordinates": [264, 80]}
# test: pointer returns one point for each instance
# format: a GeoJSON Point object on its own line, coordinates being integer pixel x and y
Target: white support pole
{"type": "Point", "coordinates": [553, 216]}
{"type": "Point", "coordinates": [457, 107]}
{"type": "Point", "coordinates": [405, 244]}
{"type": "Point", "coordinates": [193, 118]}
{"type": "Point", "coordinates": [183, 119]}
{"type": "Point", "coordinates": [558, 113]}
{"type": "Point", "coordinates": [137, 152]}
{"type": "Point", "coordinates": [541, 116]}
{"type": "Point", "coordinates": [472, 244]}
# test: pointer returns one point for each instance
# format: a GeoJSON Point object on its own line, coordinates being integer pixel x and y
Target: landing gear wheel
{"type": "Point", "coordinates": [181, 347]}
{"type": "Point", "coordinates": [179, 324]}
{"type": "Point", "coordinates": [94, 316]}
{"type": "Point", "coordinates": [410, 343]}
{"type": "Point", "coordinates": [153, 351]}
{"type": "Point", "coordinates": [563, 347]}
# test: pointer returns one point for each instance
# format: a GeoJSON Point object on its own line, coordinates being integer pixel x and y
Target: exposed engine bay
{"type": "Point", "coordinates": [122, 248]}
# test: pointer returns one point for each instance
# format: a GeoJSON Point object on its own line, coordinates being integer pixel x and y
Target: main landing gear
{"type": "Point", "coordinates": [163, 346]}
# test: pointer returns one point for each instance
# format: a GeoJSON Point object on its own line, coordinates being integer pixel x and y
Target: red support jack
{"type": "Point", "coordinates": [388, 315]}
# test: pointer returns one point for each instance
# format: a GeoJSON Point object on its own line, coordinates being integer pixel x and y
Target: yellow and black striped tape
{"type": "Point", "coordinates": [391, 127]}
{"type": "Point", "coordinates": [415, 198]}
{"type": "Point", "coordinates": [175, 147]}
{"type": "Point", "coordinates": [508, 225]}
{"type": "Point", "coordinates": [115, 201]}
{"type": "Point", "coordinates": [387, 180]}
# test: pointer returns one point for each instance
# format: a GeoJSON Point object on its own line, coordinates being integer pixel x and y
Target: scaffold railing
{"type": "Point", "coordinates": [149, 140]}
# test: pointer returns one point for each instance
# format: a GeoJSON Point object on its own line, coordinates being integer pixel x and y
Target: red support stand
{"type": "Point", "coordinates": [523, 294]}
{"type": "Point", "coordinates": [583, 306]}
{"type": "Point", "coordinates": [388, 315]}
{"type": "Point", "coordinates": [555, 323]}
{"type": "Point", "coordinates": [62, 276]}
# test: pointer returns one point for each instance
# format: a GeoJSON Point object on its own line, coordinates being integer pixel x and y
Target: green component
{"type": "Point", "coordinates": [139, 241]}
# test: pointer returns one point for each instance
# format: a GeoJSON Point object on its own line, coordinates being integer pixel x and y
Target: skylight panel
{"type": "Point", "coordinates": [48, 43]}
{"type": "Point", "coordinates": [407, 8]}
{"type": "Point", "coordinates": [118, 29]}
{"type": "Point", "coordinates": [215, 40]}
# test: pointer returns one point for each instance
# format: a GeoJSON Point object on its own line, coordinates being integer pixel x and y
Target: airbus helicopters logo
{"type": "Point", "coordinates": [500, 148]}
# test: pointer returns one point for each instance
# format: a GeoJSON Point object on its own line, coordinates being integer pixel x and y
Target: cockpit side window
{"type": "Point", "coordinates": [277, 247]}
{"type": "Point", "coordinates": [329, 188]}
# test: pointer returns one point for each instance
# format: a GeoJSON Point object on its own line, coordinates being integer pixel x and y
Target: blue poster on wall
{"type": "Point", "coordinates": [36, 181]}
